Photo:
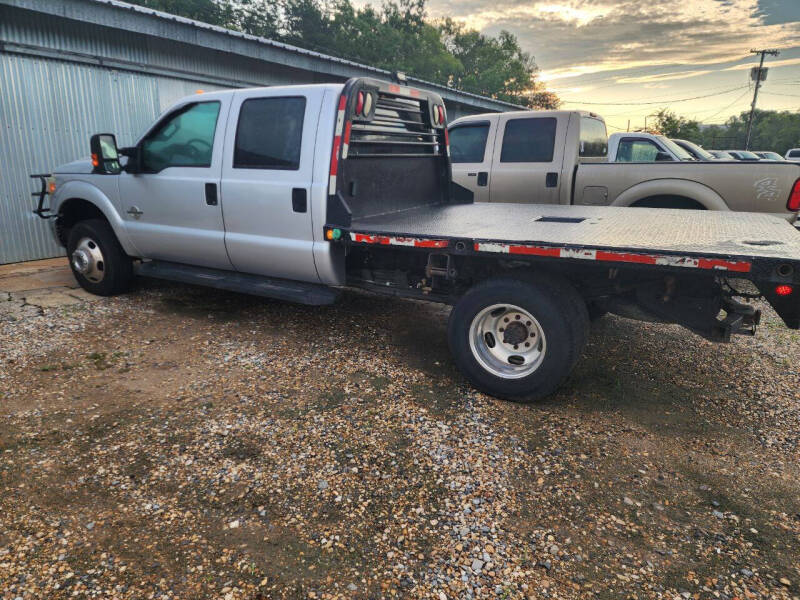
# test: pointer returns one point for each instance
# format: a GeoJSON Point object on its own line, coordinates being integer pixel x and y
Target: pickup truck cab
{"type": "Point", "coordinates": [644, 147]}
{"type": "Point", "coordinates": [561, 157]}
{"type": "Point", "coordinates": [297, 192]}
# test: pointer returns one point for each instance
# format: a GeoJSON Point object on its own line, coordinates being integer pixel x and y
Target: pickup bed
{"type": "Point", "coordinates": [296, 192]}
{"type": "Point", "coordinates": [561, 157]}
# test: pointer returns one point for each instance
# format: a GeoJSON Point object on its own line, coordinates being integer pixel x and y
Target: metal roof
{"type": "Point", "coordinates": [146, 21]}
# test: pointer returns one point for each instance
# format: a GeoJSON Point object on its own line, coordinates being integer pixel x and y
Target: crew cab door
{"type": "Point", "coordinates": [266, 182]}
{"type": "Point", "coordinates": [527, 159]}
{"type": "Point", "coordinates": [471, 146]}
{"type": "Point", "coordinates": [171, 206]}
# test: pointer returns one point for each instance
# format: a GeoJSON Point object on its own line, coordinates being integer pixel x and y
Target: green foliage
{"type": "Point", "coordinates": [396, 37]}
{"type": "Point", "coordinates": [673, 126]}
{"type": "Point", "coordinates": [772, 130]}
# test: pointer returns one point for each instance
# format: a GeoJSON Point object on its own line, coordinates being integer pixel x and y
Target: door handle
{"type": "Point", "coordinates": [551, 180]}
{"type": "Point", "coordinates": [471, 174]}
{"type": "Point", "coordinates": [134, 212]}
{"type": "Point", "coordinates": [483, 178]}
{"type": "Point", "coordinates": [211, 194]}
{"type": "Point", "coordinates": [299, 200]}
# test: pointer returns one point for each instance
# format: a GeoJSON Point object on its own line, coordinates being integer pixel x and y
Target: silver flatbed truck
{"type": "Point", "coordinates": [296, 192]}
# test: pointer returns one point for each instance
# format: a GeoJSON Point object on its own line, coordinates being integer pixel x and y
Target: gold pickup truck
{"type": "Point", "coordinates": [560, 157]}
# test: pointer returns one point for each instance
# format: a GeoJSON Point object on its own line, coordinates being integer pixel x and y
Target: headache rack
{"type": "Point", "coordinates": [400, 127]}
{"type": "Point", "coordinates": [390, 151]}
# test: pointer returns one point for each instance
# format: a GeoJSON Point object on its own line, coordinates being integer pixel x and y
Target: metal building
{"type": "Point", "coordinates": [71, 68]}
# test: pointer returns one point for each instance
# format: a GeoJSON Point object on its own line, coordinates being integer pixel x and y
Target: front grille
{"type": "Point", "coordinates": [400, 127]}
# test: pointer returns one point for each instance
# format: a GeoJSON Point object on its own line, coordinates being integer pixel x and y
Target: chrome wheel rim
{"type": "Point", "coordinates": [87, 259]}
{"type": "Point", "coordinates": [507, 341]}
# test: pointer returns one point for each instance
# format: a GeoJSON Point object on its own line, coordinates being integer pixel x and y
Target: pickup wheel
{"type": "Point", "coordinates": [518, 339]}
{"type": "Point", "coordinates": [97, 260]}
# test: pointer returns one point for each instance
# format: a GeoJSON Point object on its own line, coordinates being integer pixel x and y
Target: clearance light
{"type": "Point", "coordinates": [95, 160]}
{"type": "Point", "coordinates": [199, 91]}
{"type": "Point", "coordinates": [783, 290]}
{"type": "Point", "coordinates": [51, 185]}
{"type": "Point", "coordinates": [333, 234]}
{"type": "Point", "coordinates": [793, 203]}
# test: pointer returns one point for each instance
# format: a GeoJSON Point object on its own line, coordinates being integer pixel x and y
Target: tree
{"type": "Point", "coordinates": [673, 126]}
{"type": "Point", "coordinates": [396, 37]}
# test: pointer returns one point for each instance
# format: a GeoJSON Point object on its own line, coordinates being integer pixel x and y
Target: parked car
{"type": "Point", "coordinates": [768, 155]}
{"type": "Point", "coordinates": [565, 161]}
{"type": "Point", "coordinates": [793, 155]}
{"type": "Point", "coordinates": [721, 155]}
{"type": "Point", "coordinates": [743, 155]}
{"type": "Point", "coordinates": [698, 152]}
{"type": "Point", "coordinates": [294, 192]}
{"type": "Point", "coordinates": [644, 147]}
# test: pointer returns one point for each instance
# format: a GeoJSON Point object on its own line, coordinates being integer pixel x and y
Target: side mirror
{"type": "Point", "coordinates": [105, 156]}
{"type": "Point", "coordinates": [663, 157]}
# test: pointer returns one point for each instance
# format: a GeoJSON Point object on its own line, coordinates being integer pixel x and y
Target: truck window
{"type": "Point", "coordinates": [269, 133]}
{"type": "Point", "coordinates": [468, 143]}
{"type": "Point", "coordinates": [632, 150]}
{"type": "Point", "coordinates": [183, 139]}
{"type": "Point", "coordinates": [529, 140]}
{"type": "Point", "coordinates": [594, 139]}
{"type": "Point", "coordinates": [794, 154]}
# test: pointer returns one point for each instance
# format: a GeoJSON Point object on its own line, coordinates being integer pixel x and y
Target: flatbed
{"type": "Point", "coordinates": [748, 244]}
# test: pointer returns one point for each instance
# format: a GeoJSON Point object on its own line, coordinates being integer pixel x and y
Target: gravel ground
{"type": "Point", "coordinates": [180, 442]}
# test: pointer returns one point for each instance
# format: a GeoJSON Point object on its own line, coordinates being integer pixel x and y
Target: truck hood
{"type": "Point", "coordinates": [83, 165]}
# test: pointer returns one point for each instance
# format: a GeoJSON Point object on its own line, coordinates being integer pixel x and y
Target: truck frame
{"type": "Point", "coordinates": [524, 280]}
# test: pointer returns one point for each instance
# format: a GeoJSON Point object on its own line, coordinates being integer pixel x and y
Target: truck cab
{"type": "Point", "coordinates": [243, 180]}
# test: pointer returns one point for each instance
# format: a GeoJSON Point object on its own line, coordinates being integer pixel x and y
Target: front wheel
{"type": "Point", "coordinates": [518, 339]}
{"type": "Point", "coordinates": [97, 260]}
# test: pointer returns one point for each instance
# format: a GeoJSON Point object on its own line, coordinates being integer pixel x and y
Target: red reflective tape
{"type": "Point", "coordinates": [347, 128]}
{"type": "Point", "coordinates": [335, 156]}
{"type": "Point", "coordinates": [642, 259]}
{"type": "Point", "coordinates": [386, 240]}
{"type": "Point", "coordinates": [610, 256]}
{"type": "Point", "coordinates": [395, 89]}
{"type": "Point", "coordinates": [342, 102]}
{"type": "Point", "coordinates": [713, 263]}
{"type": "Point", "coordinates": [414, 93]}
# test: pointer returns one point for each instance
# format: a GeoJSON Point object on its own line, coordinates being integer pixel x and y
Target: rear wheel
{"type": "Point", "coordinates": [97, 260]}
{"type": "Point", "coordinates": [518, 339]}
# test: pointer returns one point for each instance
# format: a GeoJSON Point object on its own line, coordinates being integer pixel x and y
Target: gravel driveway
{"type": "Point", "coordinates": [180, 442]}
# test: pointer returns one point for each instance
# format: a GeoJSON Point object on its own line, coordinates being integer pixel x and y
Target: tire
{"type": "Point", "coordinates": [97, 260]}
{"type": "Point", "coordinates": [552, 317]}
{"type": "Point", "coordinates": [595, 312]}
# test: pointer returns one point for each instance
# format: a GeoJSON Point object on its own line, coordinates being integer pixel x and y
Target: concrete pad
{"type": "Point", "coordinates": [33, 266]}
{"type": "Point", "coordinates": [82, 294]}
{"type": "Point", "coordinates": [56, 277]}
{"type": "Point", "coordinates": [21, 283]}
{"type": "Point", "coordinates": [52, 298]}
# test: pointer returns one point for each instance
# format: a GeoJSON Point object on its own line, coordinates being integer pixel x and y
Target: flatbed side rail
{"type": "Point", "coordinates": [41, 211]}
{"type": "Point", "coordinates": [742, 266]}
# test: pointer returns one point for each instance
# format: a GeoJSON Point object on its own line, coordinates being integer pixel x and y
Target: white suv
{"type": "Point", "coordinates": [793, 155]}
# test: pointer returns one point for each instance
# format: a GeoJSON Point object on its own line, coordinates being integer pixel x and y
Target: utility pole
{"type": "Point", "coordinates": [759, 76]}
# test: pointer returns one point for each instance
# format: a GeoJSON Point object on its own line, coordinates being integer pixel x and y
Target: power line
{"type": "Point", "coordinates": [655, 101]}
{"type": "Point", "coordinates": [777, 94]}
{"type": "Point", "coordinates": [707, 119]}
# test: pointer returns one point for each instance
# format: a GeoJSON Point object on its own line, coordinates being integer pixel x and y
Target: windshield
{"type": "Point", "coordinates": [747, 155]}
{"type": "Point", "coordinates": [674, 148]}
{"type": "Point", "coordinates": [701, 152]}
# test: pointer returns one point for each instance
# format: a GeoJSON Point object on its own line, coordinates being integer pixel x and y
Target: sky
{"type": "Point", "coordinates": [601, 54]}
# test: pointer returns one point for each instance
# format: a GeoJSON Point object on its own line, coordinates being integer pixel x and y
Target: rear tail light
{"type": "Point", "coordinates": [783, 290]}
{"type": "Point", "coordinates": [793, 204]}
{"type": "Point", "coordinates": [441, 114]}
{"type": "Point", "coordinates": [360, 103]}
